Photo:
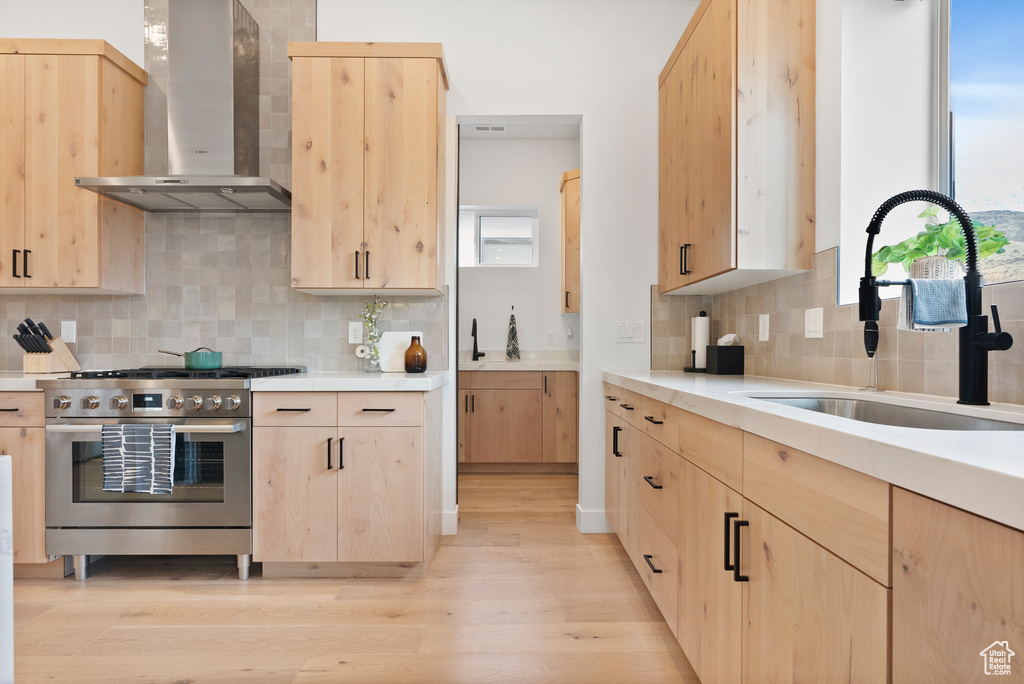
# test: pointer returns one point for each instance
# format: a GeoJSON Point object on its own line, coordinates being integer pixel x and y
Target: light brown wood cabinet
{"type": "Point", "coordinates": [346, 477]}
{"type": "Point", "coordinates": [22, 438]}
{"type": "Point", "coordinates": [736, 147]}
{"type": "Point", "coordinates": [518, 417]}
{"type": "Point", "coordinates": [958, 588]}
{"type": "Point", "coordinates": [69, 108]}
{"type": "Point", "coordinates": [569, 193]}
{"type": "Point", "coordinates": [368, 160]}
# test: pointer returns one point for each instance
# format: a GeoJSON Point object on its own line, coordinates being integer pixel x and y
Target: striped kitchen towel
{"type": "Point", "coordinates": [138, 458]}
{"type": "Point", "coordinates": [512, 343]}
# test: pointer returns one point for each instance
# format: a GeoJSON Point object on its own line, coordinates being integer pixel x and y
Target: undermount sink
{"type": "Point", "coordinates": [880, 413]}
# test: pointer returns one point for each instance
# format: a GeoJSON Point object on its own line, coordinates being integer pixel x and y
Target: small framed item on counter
{"type": "Point", "coordinates": [725, 360]}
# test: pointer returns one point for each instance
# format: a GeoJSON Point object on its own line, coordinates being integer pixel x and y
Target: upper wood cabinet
{"type": "Point", "coordinates": [569, 192]}
{"type": "Point", "coordinates": [736, 147]}
{"type": "Point", "coordinates": [69, 108]}
{"type": "Point", "coordinates": [368, 134]}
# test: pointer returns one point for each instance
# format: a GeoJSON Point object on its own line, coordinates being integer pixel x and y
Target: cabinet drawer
{"type": "Point", "coordinates": [845, 511]}
{"type": "Point", "coordinates": [380, 408]}
{"type": "Point", "coordinates": [715, 448]}
{"type": "Point", "coordinates": [21, 409]}
{"type": "Point", "coordinates": [295, 409]}
{"type": "Point", "coordinates": [507, 380]}
{"type": "Point", "coordinates": [658, 420]}
{"type": "Point", "coordinates": [659, 483]}
{"type": "Point", "coordinates": [623, 403]}
{"type": "Point", "coordinates": [658, 550]}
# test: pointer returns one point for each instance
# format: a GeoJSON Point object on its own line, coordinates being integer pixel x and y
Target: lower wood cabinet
{"type": "Point", "coordinates": [22, 438]}
{"type": "Point", "coordinates": [355, 490]}
{"type": "Point", "coordinates": [518, 417]}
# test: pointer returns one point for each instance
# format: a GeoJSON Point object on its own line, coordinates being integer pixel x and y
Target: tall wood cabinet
{"type": "Point", "coordinates": [736, 147]}
{"type": "Point", "coordinates": [368, 166]}
{"type": "Point", "coordinates": [22, 438]}
{"type": "Point", "coordinates": [569, 203]}
{"type": "Point", "coordinates": [69, 108]}
{"type": "Point", "coordinates": [346, 477]}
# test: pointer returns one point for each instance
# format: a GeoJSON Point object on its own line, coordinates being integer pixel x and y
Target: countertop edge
{"type": "Point", "coordinates": [975, 471]}
{"type": "Point", "coordinates": [352, 382]}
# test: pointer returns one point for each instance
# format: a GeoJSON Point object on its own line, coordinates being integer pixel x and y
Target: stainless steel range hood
{"type": "Point", "coordinates": [213, 59]}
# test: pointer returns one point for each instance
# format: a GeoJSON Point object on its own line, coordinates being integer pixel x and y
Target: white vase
{"type": "Point", "coordinates": [933, 267]}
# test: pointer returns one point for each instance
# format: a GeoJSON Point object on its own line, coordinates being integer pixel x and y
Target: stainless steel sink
{"type": "Point", "coordinates": [868, 411]}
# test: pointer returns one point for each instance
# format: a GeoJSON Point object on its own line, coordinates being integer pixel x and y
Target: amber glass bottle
{"type": "Point", "coordinates": [415, 357]}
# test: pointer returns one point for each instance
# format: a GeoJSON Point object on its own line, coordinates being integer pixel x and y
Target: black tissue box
{"type": "Point", "coordinates": [725, 360]}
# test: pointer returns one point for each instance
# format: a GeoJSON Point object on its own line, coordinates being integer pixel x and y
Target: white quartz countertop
{"type": "Point", "coordinates": [16, 381]}
{"type": "Point", "coordinates": [351, 382]}
{"type": "Point", "coordinates": [979, 471]}
{"type": "Point", "coordinates": [527, 365]}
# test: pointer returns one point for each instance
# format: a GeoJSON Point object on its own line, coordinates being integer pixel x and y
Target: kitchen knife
{"type": "Point", "coordinates": [38, 336]}
{"type": "Point", "coordinates": [28, 343]}
{"type": "Point", "coordinates": [33, 327]}
{"type": "Point", "coordinates": [21, 342]}
{"type": "Point", "coordinates": [32, 343]}
{"type": "Point", "coordinates": [46, 331]}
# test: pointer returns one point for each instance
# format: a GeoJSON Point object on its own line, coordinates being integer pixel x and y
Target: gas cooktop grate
{"type": "Point", "coordinates": [163, 372]}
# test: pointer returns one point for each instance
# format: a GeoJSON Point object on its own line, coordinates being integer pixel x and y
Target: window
{"type": "Point", "coordinates": [985, 127]}
{"type": "Point", "coordinates": [498, 236]}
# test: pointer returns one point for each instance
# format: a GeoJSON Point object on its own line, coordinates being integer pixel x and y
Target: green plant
{"type": "Point", "coordinates": [938, 239]}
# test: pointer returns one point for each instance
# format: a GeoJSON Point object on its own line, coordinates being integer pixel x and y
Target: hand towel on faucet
{"type": "Point", "coordinates": [138, 458]}
{"type": "Point", "coordinates": [933, 305]}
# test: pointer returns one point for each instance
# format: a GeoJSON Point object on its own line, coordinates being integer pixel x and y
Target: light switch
{"type": "Point", "coordinates": [630, 332]}
{"type": "Point", "coordinates": [550, 337]}
{"type": "Point", "coordinates": [814, 322]}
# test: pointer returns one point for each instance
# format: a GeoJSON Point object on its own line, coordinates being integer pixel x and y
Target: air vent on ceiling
{"type": "Point", "coordinates": [489, 129]}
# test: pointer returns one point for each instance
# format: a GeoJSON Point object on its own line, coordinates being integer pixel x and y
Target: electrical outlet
{"type": "Point", "coordinates": [355, 332]}
{"type": "Point", "coordinates": [69, 331]}
{"type": "Point", "coordinates": [762, 328]}
{"type": "Point", "coordinates": [814, 322]}
{"type": "Point", "coordinates": [628, 332]}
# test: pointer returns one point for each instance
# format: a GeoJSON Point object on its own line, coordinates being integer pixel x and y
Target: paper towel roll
{"type": "Point", "coordinates": [700, 335]}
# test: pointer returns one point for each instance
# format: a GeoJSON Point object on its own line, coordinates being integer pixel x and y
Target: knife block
{"type": "Point", "coordinates": [60, 360]}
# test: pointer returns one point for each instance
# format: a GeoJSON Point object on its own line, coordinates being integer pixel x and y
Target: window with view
{"type": "Point", "coordinates": [498, 236]}
{"type": "Point", "coordinates": [986, 105]}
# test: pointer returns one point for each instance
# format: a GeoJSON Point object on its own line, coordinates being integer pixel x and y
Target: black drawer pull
{"type": "Point", "coordinates": [295, 410]}
{"type": "Point", "coordinates": [609, 397]}
{"type": "Point", "coordinates": [15, 410]}
{"type": "Point", "coordinates": [378, 410]}
{"type": "Point", "coordinates": [626, 406]}
{"type": "Point", "coordinates": [329, 439]}
{"type": "Point", "coordinates": [736, 525]}
{"type": "Point", "coordinates": [615, 441]}
{"type": "Point", "coordinates": [648, 557]}
{"type": "Point", "coordinates": [650, 419]}
{"type": "Point", "coordinates": [648, 478]}
{"type": "Point", "coordinates": [728, 516]}
{"type": "Point", "coordinates": [341, 453]}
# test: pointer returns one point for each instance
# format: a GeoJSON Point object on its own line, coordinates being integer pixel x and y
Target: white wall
{"type": "Point", "coordinates": [596, 58]}
{"type": "Point", "coordinates": [516, 172]}
{"type": "Point", "coordinates": [119, 22]}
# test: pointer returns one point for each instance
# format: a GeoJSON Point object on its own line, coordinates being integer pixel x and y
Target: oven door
{"type": "Point", "coordinates": [212, 478]}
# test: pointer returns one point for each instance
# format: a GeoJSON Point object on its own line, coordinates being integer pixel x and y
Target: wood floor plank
{"type": "Point", "coordinates": [150, 668]}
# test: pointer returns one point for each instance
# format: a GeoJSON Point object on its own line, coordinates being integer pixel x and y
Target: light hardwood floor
{"type": "Point", "coordinates": [517, 595]}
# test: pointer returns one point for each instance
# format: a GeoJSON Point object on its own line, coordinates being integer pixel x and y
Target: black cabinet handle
{"type": "Point", "coordinates": [609, 397]}
{"type": "Point", "coordinates": [15, 410]}
{"type": "Point", "coordinates": [626, 406]}
{"type": "Point", "coordinates": [566, 300]}
{"type": "Point", "coordinates": [467, 403]}
{"type": "Point", "coordinates": [728, 516]}
{"type": "Point", "coordinates": [684, 252]}
{"type": "Point", "coordinates": [650, 419]}
{"type": "Point", "coordinates": [295, 410]}
{"type": "Point", "coordinates": [649, 480]}
{"type": "Point", "coordinates": [341, 453]}
{"type": "Point", "coordinates": [648, 557]}
{"type": "Point", "coordinates": [615, 441]}
{"type": "Point", "coordinates": [14, 262]}
{"type": "Point", "coordinates": [329, 439]}
{"type": "Point", "coordinates": [357, 265]}
{"type": "Point", "coordinates": [366, 262]}
{"type": "Point", "coordinates": [545, 384]}
{"type": "Point", "coordinates": [24, 262]}
{"type": "Point", "coordinates": [379, 410]}
{"type": "Point", "coordinates": [736, 525]}
{"type": "Point", "coordinates": [473, 402]}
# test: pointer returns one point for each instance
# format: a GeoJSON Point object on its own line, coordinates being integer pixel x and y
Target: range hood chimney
{"type": "Point", "coordinates": [213, 56]}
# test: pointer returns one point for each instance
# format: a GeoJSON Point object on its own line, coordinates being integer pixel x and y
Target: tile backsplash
{"type": "Point", "coordinates": [223, 280]}
{"type": "Point", "coordinates": [907, 361]}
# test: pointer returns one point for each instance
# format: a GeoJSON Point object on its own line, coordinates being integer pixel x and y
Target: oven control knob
{"type": "Point", "coordinates": [61, 402]}
{"type": "Point", "coordinates": [175, 403]}
{"type": "Point", "coordinates": [232, 403]}
{"type": "Point", "coordinates": [90, 402]}
{"type": "Point", "coordinates": [195, 403]}
{"type": "Point", "coordinates": [213, 403]}
{"type": "Point", "coordinates": [119, 402]}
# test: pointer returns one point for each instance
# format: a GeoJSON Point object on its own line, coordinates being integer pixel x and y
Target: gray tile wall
{"type": "Point", "coordinates": [222, 280]}
{"type": "Point", "coordinates": [907, 361]}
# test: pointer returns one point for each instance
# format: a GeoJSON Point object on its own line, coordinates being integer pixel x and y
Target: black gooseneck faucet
{"type": "Point", "coordinates": [975, 339]}
{"type": "Point", "coordinates": [476, 354]}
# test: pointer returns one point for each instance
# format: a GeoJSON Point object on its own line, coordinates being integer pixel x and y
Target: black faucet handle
{"type": "Point", "coordinates": [995, 319]}
{"type": "Point", "coordinates": [994, 341]}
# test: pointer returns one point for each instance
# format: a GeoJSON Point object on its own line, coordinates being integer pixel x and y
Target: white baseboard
{"type": "Point", "coordinates": [450, 521]}
{"type": "Point", "coordinates": [591, 522]}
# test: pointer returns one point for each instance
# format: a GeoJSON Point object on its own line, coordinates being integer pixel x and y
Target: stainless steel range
{"type": "Point", "coordinates": [209, 509]}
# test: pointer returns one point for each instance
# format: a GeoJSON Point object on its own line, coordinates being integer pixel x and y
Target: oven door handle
{"type": "Point", "coordinates": [201, 429]}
